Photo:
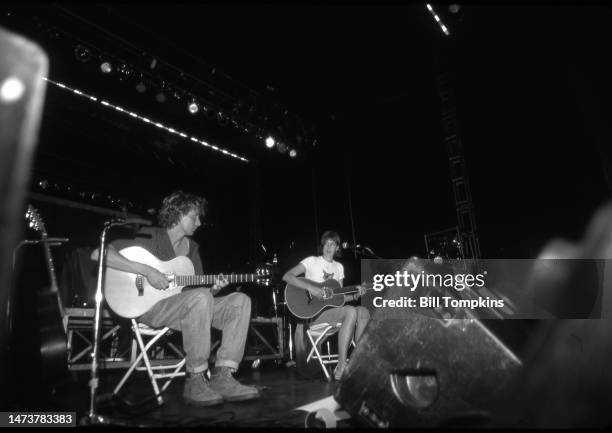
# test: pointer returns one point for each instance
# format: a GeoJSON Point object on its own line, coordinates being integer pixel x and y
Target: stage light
{"type": "Point", "coordinates": [106, 67]}
{"type": "Point", "coordinates": [82, 54]}
{"type": "Point", "coordinates": [160, 96]}
{"type": "Point", "coordinates": [193, 107]}
{"type": "Point", "coordinates": [12, 89]}
{"type": "Point", "coordinates": [148, 121]}
{"type": "Point", "coordinates": [292, 153]}
{"type": "Point", "coordinates": [438, 20]}
{"type": "Point", "coordinates": [282, 147]}
{"type": "Point", "coordinates": [270, 142]}
{"type": "Point", "coordinates": [126, 70]}
{"type": "Point", "coordinates": [141, 88]}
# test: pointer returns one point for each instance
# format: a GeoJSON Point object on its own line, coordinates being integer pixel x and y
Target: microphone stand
{"type": "Point", "coordinates": [365, 252]}
{"type": "Point", "coordinates": [93, 417]}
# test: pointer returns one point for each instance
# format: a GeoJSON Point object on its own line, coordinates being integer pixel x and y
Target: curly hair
{"type": "Point", "coordinates": [177, 204]}
{"type": "Point", "coordinates": [334, 236]}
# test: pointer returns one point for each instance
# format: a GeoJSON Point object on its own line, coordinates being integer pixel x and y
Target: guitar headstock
{"type": "Point", "coordinates": [263, 276]}
{"type": "Point", "coordinates": [35, 221]}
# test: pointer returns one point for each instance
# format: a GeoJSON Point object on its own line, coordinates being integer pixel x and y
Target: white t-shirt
{"type": "Point", "coordinates": [318, 269]}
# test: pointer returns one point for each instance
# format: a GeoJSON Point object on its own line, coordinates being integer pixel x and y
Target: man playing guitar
{"type": "Point", "coordinates": [319, 269]}
{"type": "Point", "coordinates": [192, 311]}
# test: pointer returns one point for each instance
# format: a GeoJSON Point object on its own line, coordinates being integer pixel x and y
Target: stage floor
{"type": "Point", "coordinates": [282, 391]}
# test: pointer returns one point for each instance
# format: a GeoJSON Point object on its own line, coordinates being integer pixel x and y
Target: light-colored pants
{"type": "Point", "coordinates": [193, 312]}
{"type": "Point", "coordinates": [337, 315]}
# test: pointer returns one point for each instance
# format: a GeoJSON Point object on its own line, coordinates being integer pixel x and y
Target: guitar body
{"type": "Point", "coordinates": [53, 340]}
{"type": "Point", "coordinates": [304, 306]}
{"type": "Point", "coordinates": [50, 311]}
{"type": "Point", "coordinates": [130, 295]}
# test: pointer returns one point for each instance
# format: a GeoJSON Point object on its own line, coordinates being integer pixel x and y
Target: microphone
{"type": "Point", "coordinates": [350, 246]}
{"type": "Point", "coordinates": [56, 240]}
{"type": "Point", "coordinates": [48, 240]}
{"type": "Point", "coordinates": [133, 221]}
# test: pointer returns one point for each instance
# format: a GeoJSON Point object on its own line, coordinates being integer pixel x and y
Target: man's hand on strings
{"type": "Point", "coordinates": [157, 279]}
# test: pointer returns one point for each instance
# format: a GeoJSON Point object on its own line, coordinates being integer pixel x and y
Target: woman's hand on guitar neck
{"type": "Point", "coordinates": [361, 290]}
{"type": "Point", "coordinates": [156, 278]}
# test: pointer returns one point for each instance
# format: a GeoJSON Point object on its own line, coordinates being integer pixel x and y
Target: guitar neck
{"type": "Point", "coordinates": [197, 280]}
{"type": "Point", "coordinates": [346, 290]}
{"type": "Point", "coordinates": [51, 270]}
{"type": "Point", "coordinates": [49, 262]}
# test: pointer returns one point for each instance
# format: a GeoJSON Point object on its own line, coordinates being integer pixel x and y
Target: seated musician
{"type": "Point", "coordinates": [319, 269]}
{"type": "Point", "coordinates": [194, 310]}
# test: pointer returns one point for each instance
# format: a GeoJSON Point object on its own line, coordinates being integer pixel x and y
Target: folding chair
{"type": "Point", "coordinates": [319, 334]}
{"type": "Point", "coordinates": [157, 369]}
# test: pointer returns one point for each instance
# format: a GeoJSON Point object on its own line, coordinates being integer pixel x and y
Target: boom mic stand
{"type": "Point", "coordinates": [93, 417]}
{"type": "Point", "coordinates": [365, 252]}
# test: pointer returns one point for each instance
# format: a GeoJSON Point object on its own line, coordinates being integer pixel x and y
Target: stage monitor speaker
{"type": "Point", "coordinates": [22, 66]}
{"type": "Point", "coordinates": [413, 370]}
{"type": "Point", "coordinates": [418, 371]}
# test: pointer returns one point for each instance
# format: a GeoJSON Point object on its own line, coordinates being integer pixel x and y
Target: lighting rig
{"type": "Point", "coordinates": [217, 97]}
{"type": "Point", "coordinates": [454, 9]}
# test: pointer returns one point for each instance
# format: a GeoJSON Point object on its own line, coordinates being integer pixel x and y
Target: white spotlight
{"type": "Point", "coordinates": [193, 107]}
{"type": "Point", "coordinates": [292, 153]}
{"type": "Point", "coordinates": [270, 142]}
{"type": "Point", "coordinates": [106, 67]}
{"type": "Point", "coordinates": [12, 89]}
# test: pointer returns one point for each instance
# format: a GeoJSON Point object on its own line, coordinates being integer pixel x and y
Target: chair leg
{"type": "Point", "coordinates": [318, 354]}
{"type": "Point", "coordinates": [127, 374]}
{"type": "Point", "coordinates": [145, 358]}
{"type": "Point", "coordinates": [173, 375]}
{"type": "Point", "coordinates": [142, 356]}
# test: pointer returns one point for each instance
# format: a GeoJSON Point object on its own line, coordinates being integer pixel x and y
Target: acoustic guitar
{"type": "Point", "coordinates": [53, 340]}
{"type": "Point", "coordinates": [305, 306]}
{"type": "Point", "coordinates": [130, 295]}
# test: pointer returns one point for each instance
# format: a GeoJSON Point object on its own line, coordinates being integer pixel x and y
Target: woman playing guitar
{"type": "Point", "coordinates": [319, 269]}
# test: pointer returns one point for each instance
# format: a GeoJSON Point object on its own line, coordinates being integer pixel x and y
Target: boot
{"type": "Point", "coordinates": [198, 391]}
{"type": "Point", "coordinates": [224, 383]}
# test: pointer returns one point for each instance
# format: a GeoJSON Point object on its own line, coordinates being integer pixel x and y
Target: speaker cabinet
{"type": "Point", "coordinates": [420, 371]}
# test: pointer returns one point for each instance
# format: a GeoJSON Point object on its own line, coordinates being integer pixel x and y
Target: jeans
{"type": "Point", "coordinates": [193, 312]}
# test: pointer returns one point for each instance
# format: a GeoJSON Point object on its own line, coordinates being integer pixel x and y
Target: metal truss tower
{"type": "Point", "coordinates": [466, 219]}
